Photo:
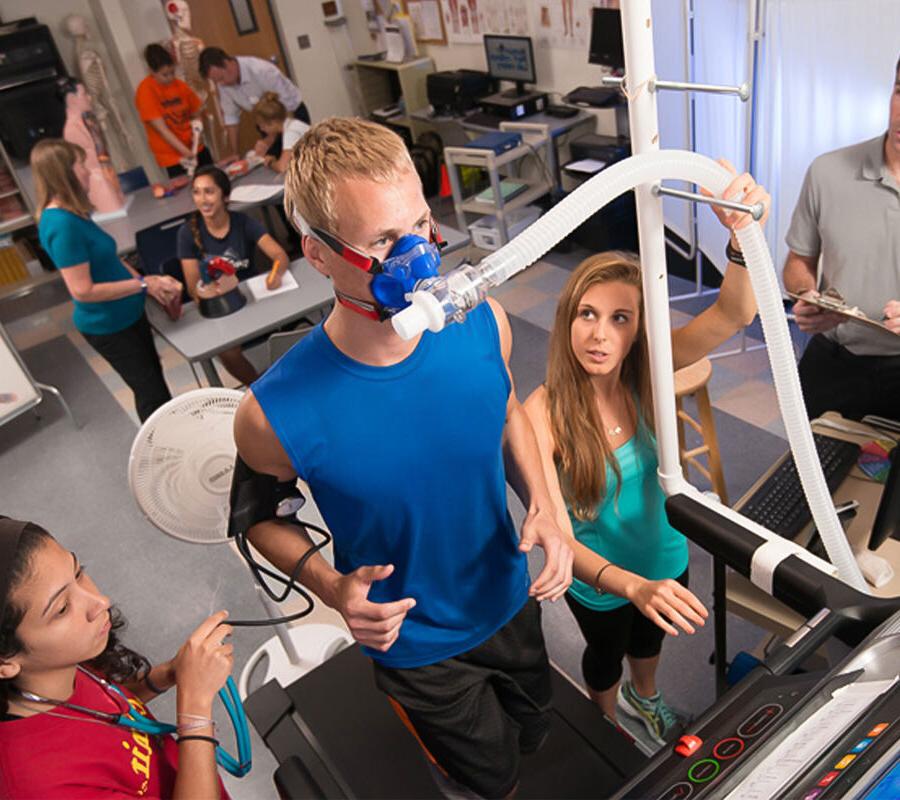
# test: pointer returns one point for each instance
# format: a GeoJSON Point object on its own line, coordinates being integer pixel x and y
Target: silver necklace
{"type": "Point", "coordinates": [614, 431]}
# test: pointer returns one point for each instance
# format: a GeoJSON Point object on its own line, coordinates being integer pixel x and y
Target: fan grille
{"type": "Point", "coordinates": [181, 463]}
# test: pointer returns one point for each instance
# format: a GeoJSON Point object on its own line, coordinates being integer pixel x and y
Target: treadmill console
{"type": "Point", "coordinates": [797, 737]}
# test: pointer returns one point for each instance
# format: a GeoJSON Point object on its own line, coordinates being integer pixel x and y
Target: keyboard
{"type": "Point", "coordinates": [485, 120]}
{"type": "Point", "coordinates": [597, 96]}
{"type": "Point", "coordinates": [780, 505]}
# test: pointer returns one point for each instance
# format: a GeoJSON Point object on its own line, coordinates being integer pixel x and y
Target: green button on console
{"type": "Point", "coordinates": [704, 770]}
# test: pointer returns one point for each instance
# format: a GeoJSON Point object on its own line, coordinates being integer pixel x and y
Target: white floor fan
{"type": "Point", "coordinates": [179, 472]}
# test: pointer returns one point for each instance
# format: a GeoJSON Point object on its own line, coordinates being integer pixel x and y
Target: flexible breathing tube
{"type": "Point", "coordinates": [439, 301]}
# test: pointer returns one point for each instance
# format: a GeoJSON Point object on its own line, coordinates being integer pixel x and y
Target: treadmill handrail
{"type": "Point", "coordinates": [798, 584]}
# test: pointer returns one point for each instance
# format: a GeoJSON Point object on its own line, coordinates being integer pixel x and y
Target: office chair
{"type": "Point", "coordinates": [279, 343]}
{"type": "Point", "coordinates": [158, 243]}
{"type": "Point", "coordinates": [133, 179]}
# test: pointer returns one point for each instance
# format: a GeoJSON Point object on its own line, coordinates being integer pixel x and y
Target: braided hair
{"type": "Point", "coordinates": [221, 180]}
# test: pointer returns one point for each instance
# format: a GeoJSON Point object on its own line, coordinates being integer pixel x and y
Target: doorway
{"type": "Point", "coordinates": [240, 28]}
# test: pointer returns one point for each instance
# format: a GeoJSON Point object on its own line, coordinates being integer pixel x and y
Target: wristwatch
{"type": "Point", "coordinates": [143, 281]}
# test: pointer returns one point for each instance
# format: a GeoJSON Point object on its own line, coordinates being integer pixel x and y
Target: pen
{"type": "Point", "coordinates": [270, 279]}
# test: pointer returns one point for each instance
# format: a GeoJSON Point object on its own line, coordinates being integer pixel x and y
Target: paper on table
{"type": "Point", "coordinates": [257, 286]}
{"type": "Point", "coordinates": [588, 165]}
{"type": "Point", "coordinates": [255, 192]}
{"type": "Point", "coordinates": [796, 752]}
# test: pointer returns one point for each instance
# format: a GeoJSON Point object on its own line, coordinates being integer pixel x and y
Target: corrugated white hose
{"type": "Point", "coordinates": [439, 301]}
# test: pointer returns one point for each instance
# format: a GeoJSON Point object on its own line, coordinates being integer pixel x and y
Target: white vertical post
{"type": "Point", "coordinates": [637, 30]}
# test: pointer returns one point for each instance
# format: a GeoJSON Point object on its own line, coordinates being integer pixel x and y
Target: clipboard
{"type": "Point", "coordinates": [836, 305]}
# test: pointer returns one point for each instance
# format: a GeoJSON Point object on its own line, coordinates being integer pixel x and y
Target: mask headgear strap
{"type": "Point", "coordinates": [374, 310]}
{"type": "Point", "coordinates": [358, 259]}
{"type": "Point", "coordinates": [348, 253]}
{"type": "Point", "coordinates": [10, 533]}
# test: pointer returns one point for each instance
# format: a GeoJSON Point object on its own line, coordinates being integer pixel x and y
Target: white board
{"type": "Point", "coordinates": [18, 392]}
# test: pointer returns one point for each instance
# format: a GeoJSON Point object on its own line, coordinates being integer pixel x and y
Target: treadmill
{"type": "Point", "coordinates": [335, 735]}
{"type": "Point", "coordinates": [777, 735]}
{"type": "Point", "coordinates": [773, 735]}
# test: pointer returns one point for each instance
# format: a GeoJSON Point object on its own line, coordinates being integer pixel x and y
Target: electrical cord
{"type": "Point", "coordinates": [543, 164]}
{"type": "Point", "coordinates": [290, 583]}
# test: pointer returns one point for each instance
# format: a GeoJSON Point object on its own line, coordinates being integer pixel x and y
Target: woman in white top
{"type": "Point", "coordinates": [273, 119]}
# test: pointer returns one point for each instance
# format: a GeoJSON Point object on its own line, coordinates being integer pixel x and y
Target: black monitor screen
{"type": "Point", "coordinates": [606, 39]}
{"type": "Point", "coordinates": [510, 58]}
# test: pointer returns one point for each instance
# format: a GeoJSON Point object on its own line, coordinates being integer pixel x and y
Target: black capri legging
{"type": "Point", "coordinates": [611, 635]}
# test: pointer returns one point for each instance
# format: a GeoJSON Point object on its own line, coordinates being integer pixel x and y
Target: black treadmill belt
{"type": "Point", "coordinates": [365, 749]}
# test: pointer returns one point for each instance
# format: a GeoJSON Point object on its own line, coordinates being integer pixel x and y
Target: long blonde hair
{"type": "Point", "coordinates": [52, 165]}
{"type": "Point", "coordinates": [582, 450]}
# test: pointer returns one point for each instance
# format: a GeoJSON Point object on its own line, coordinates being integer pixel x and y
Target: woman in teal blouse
{"type": "Point", "coordinates": [108, 295]}
{"type": "Point", "coordinates": [594, 423]}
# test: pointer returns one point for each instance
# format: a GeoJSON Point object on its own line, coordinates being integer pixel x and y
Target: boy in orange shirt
{"type": "Point", "coordinates": [167, 107]}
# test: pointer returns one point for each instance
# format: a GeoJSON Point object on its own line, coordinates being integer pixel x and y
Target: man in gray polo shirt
{"type": "Point", "coordinates": [849, 213]}
{"type": "Point", "coordinates": [242, 81]}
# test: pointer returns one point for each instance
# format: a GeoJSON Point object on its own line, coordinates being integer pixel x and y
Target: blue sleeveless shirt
{"type": "Point", "coordinates": [405, 464]}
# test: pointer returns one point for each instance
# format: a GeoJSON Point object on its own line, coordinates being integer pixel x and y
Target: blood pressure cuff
{"type": "Point", "coordinates": [257, 497]}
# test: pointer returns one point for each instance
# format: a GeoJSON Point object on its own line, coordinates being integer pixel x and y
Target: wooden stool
{"type": "Point", "coordinates": [692, 381]}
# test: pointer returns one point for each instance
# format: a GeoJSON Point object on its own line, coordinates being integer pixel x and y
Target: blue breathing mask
{"type": "Point", "coordinates": [411, 259]}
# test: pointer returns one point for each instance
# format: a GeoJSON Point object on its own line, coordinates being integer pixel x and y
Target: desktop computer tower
{"type": "Point", "coordinates": [514, 106]}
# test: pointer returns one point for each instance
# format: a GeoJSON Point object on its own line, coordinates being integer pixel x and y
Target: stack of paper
{"type": "Point", "coordinates": [257, 286]}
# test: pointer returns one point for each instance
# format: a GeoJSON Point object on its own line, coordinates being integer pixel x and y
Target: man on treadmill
{"type": "Point", "coordinates": [407, 448]}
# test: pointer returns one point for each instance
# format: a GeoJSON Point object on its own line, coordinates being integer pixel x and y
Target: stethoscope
{"type": "Point", "coordinates": [238, 767]}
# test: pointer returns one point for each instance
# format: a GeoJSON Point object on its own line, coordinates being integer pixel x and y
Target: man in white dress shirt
{"type": "Point", "coordinates": [242, 81]}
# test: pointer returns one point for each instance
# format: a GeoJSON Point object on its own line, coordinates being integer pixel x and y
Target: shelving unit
{"type": "Point", "coordinates": [15, 214]}
{"type": "Point", "coordinates": [382, 83]}
{"type": "Point", "coordinates": [536, 141]}
{"type": "Point", "coordinates": [15, 206]}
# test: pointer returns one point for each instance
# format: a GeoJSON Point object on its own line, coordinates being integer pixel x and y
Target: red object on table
{"type": "Point", "coordinates": [161, 190]}
{"type": "Point", "coordinates": [220, 266]}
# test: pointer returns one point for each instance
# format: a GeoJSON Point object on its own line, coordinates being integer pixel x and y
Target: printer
{"type": "Point", "coordinates": [608, 149]}
{"type": "Point", "coordinates": [456, 91]}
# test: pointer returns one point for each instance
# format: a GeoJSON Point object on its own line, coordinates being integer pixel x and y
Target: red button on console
{"type": "Point", "coordinates": [688, 745]}
{"type": "Point", "coordinates": [728, 748]}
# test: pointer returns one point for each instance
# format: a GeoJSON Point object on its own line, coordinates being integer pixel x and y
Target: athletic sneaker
{"type": "Point", "coordinates": [658, 718]}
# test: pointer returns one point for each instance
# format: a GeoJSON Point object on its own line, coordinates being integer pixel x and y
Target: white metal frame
{"type": "Point", "coordinates": [39, 387]}
{"type": "Point", "coordinates": [535, 139]}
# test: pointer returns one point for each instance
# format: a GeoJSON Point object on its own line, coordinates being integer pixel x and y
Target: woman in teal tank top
{"type": "Point", "coordinates": [594, 423]}
{"type": "Point", "coordinates": [107, 293]}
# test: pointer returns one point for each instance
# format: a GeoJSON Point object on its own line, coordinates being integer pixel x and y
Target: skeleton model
{"type": "Point", "coordinates": [83, 128]}
{"type": "Point", "coordinates": [186, 51]}
{"type": "Point", "coordinates": [92, 73]}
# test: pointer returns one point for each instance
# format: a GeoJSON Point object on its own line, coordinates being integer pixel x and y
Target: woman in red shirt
{"type": "Point", "coordinates": [58, 640]}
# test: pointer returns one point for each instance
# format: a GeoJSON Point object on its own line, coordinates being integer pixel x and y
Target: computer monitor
{"type": "Point", "coordinates": [510, 58]}
{"type": "Point", "coordinates": [606, 47]}
{"type": "Point", "coordinates": [887, 518]}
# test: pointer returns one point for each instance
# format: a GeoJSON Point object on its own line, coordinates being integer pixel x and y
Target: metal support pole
{"type": "Point", "coordinates": [742, 91]}
{"type": "Point", "coordinates": [46, 387]}
{"type": "Point", "coordinates": [643, 122]}
{"type": "Point", "coordinates": [756, 210]}
{"type": "Point", "coordinates": [720, 631]}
